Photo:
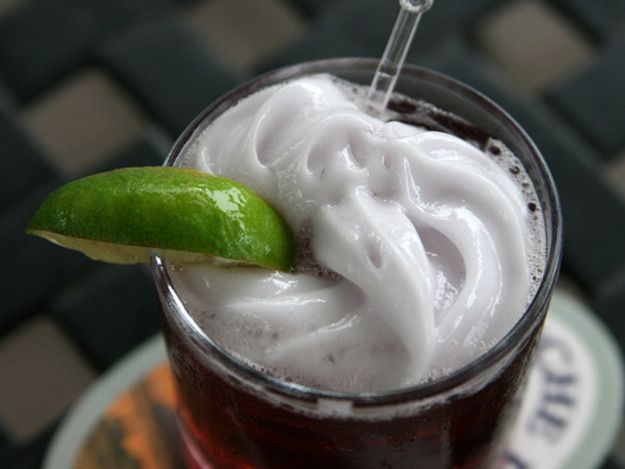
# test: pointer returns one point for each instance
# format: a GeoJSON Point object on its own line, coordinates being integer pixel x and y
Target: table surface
{"type": "Point", "coordinates": [90, 85]}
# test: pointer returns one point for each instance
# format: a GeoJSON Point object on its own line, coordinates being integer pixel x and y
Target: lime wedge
{"type": "Point", "coordinates": [122, 216]}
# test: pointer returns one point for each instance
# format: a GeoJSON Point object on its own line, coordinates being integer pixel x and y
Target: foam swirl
{"type": "Point", "coordinates": [428, 233]}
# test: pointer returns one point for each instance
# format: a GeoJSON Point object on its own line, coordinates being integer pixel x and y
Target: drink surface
{"type": "Point", "coordinates": [418, 250]}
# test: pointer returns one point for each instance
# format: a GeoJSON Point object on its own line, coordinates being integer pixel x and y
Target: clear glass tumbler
{"type": "Point", "coordinates": [234, 416]}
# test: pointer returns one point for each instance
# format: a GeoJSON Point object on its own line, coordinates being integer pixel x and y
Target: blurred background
{"type": "Point", "coordinates": [88, 85]}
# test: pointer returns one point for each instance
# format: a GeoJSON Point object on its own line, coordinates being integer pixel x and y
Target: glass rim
{"type": "Point", "coordinates": [531, 316]}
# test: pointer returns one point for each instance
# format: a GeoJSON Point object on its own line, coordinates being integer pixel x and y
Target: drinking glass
{"type": "Point", "coordinates": [233, 415]}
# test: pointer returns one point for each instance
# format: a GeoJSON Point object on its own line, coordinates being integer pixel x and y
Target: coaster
{"type": "Point", "coordinates": [569, 416]}
{"type": "Point", "coordinates": [573, 404]}
{"type": "Point", "coordinates": [122, 416]}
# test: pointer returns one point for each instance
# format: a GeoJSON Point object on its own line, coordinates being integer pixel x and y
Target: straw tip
{"type": "Point", "coordinates": [416, 6]}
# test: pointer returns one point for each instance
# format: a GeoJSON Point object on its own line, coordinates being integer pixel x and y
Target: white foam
{"type": "Point", "coordinates": [416, 249]}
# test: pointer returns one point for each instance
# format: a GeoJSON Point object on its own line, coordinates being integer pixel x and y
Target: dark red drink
{"type": "Point", "coordinates": [234, 415]}
{"type": "Point", "coordinates": [236, 428]}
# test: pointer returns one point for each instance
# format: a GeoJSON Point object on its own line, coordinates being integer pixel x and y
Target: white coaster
{"type": "Point", "coordinates": [573, 405]}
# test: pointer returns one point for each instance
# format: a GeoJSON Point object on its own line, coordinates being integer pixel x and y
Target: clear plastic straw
{"type": "Point", "coordinates": [395, 54]}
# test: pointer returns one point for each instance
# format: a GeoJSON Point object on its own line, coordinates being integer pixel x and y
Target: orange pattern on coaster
{"type": "Point", "coordinates": [138, 429]}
